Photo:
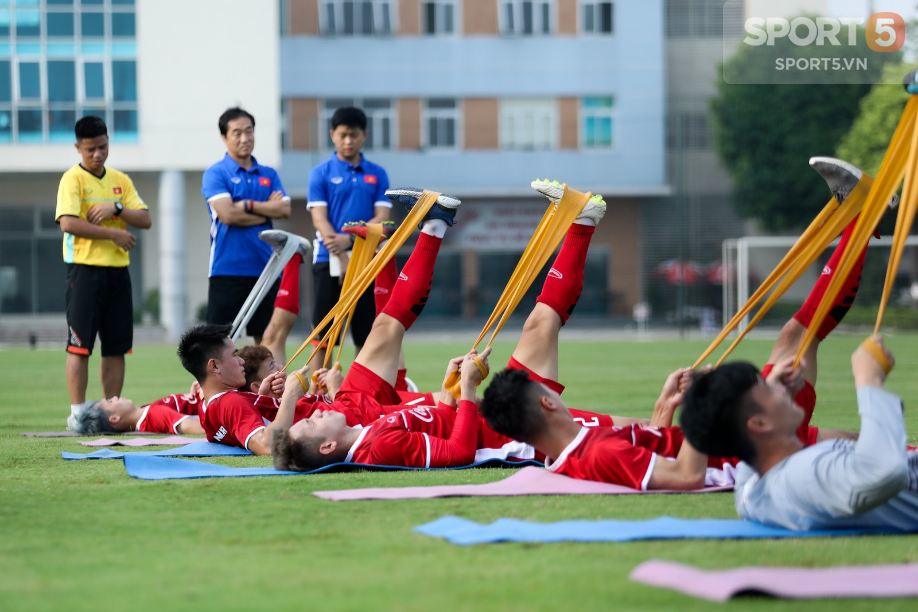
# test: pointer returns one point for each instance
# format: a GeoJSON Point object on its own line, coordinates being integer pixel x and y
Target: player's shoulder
{"type": "Point", "coordinates": [267, 170]}
{"type": "Point", "coordinates": [74, 173]}
{"type": "Point", "coordinates": [218, 168]}
{"type": "Point", "coordinates": [321, 169]}
{"type": "Point", "coordinates": [116, 175]}
{"type": "Point", "coordinates": [370, 167]}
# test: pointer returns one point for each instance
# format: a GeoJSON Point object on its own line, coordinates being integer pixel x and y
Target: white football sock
{"type": "Point", "coordinates": [434, 227]}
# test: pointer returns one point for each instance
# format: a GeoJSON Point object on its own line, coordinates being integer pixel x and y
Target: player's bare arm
{"type": "Point", "coordinates": [190, 427]}
{"type": "Point", "coordinates": [84, 229]}
{"type": "Point", "coordinates": [670, 398]}
{"type": "Point", "coordinates": [272, 385]}
{"type": "Point", "coordinates": [685, 473]}
{"type": "Point", "coordinates": [295, 387]}
{"type": "Point", "coordinates": [471, 376]}
{"type": "Point", "coordinates": [335, 243]}
{"type": "Point", "coordinates": [228, 214]}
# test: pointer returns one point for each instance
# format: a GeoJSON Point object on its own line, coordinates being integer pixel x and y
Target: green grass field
{"type": "Point", "coordinates": [85, 536]}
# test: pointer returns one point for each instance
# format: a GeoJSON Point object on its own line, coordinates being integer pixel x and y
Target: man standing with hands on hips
{"type": "Point", "coordinates": [347, 188]}
{"type": "Point", "coordinates": [242, 198]}
{"type": "Point", "coordinates": [95, 204]}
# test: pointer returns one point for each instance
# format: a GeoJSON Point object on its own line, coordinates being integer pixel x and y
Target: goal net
{"type": "Point", "coordinates": [748, 261]}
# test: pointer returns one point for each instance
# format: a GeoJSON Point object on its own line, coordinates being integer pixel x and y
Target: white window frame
{"type": "Point", "coordinates": [376, 114]}
{"type": "Point", "coordinates": [457, 18]}
{"type": "Point", "coordinates": [582, 115]}
{"type": "Point", "coordinates": [581, 18]}
{"type": "Point", "coordinates": [518, 18]}
{"type": "Point", "coordinates": [358, 33]}
{"type": "Point", "coordinates": [82, 99]}
{"type": "Point", "coordinates": [509, 114]}
{"type": "Point", "coordinates": [442, 113]}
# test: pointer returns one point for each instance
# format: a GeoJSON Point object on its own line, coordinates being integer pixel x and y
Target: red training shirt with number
{"type": "Point", "coordinates": [157, 418]}
{"type": "Point", "coordinates": [187, 403]}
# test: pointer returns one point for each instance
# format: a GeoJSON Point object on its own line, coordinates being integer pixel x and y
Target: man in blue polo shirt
{"type": "Point", "coordinates": [344, 189]}
{"type": "Point", "coordinates": [242, 198]}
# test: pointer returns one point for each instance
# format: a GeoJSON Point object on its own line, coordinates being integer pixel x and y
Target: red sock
{"type": "Point", "coordinates": [845, 297]}
{"type": "Point", "coordinates": [411, 290]}
{"type": "Point", "coordinates": [565, 279]}
{"type": "Point", "coordinates": [385, 281]}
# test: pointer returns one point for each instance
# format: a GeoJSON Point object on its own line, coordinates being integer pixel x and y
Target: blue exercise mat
{"type": "Point", "coordinates": [462, 531]}
{"type": "Point", "coordinates": [194, 449]}
{"type": "Point", "coordinates": [148, 467]}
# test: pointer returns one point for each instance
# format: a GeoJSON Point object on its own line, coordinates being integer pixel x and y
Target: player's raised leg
{"type": "Point", "coordinates": [537, 349]}
{"type": "Point", "coordinates": [381, 352]}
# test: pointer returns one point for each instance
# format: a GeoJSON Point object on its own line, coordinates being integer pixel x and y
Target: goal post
{"type": "Point", "coordinates": [754, 257]}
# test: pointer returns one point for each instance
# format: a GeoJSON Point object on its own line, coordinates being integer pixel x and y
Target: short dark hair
{"type": "Point", "coordinates": [233, 113]}
{"type": "Point", "coordinates": [349, 116]}
{"type": "Point", "coordinates": [199, 345]}
{"type": "Point", "coordinates": [510, 405]}
{"type": "Point", "coordinates": [90, 126]}
{"type": "Point", "coordinates": [715, 410]}
{"type": "Point", "coordinates": [300, 455]}
{"type": "Point", "coordinates": [253, 356]}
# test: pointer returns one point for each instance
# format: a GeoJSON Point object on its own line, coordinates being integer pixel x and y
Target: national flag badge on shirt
{"type": "Point", "coordinates": [116, 190]}
{"type": "Point", "coordinates": [369, 178]}
{"type": "Point", "coordinates": [264, 181]}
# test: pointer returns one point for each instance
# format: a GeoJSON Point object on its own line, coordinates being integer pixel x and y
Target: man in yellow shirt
{"type": "Point", "coordinates": [94, 206]}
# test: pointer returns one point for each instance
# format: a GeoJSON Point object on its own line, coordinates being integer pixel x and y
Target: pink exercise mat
{"type": "Point", "coordinates": [872, 581]}
{"type": "Point", "coordinates": [528, 481]}
{"type": "Point", "coordinates": [170, 441]}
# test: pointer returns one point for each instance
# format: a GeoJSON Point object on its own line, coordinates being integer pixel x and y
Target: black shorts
{"type": "Point", "coordinates": [99, 301]}
{"type": "Point", "coordinates": [327, 291]}
{"type": "Point", "coordinates": [227, 294]}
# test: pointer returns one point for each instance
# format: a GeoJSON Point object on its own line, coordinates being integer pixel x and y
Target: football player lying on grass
{"type": "Point", "coordinates": [838, 484]}
{"type": "Point", "coordinates": [119, 414]}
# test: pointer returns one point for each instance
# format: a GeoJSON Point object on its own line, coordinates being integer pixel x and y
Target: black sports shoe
{"type": "Point", "coordinates": [444, 209]}
{"type": "Point", "coordinates": [842, 177]}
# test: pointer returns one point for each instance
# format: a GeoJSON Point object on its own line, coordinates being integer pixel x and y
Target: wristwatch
{"type": "Point", "coordinates": [119, 208]}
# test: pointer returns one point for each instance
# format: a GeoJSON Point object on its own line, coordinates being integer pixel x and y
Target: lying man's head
{"type": "Point", "coordinates": [514, 405]}
{"type": "Point", "coordinates": [311, 443]}
{"type": "Point", "coordinates": [105, 416]}
{"type": "Point", "coordinates": [207, 351]}
{"type": "Point", "coordinates": [732, 411]}
{"type": "Point", "coordinates": [259, 364]}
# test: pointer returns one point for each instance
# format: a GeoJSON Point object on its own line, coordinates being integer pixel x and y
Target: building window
{"type": "Point", "coordinates": [65, 59]}
{"type": "Point", "coordinates": [527, 124]}
{"type": "Point", "coordinates": [598, 17]}
{"type": "Point", "coordinates": [31, 274]}
{"type": "Point", "coordinates": [597, 116]}
{"type": "Point", "coordinates": [380, 126]}
{"type": "Point", "coordinates": [526, 17]}
{"type": "Point", "coordinates": [688, 131]}
{"type": "Point", "coordinates": [356, 17]}
{"type": "Point", "coordinates": [439, 17]}
{"type": "Point", "coordinates": [441, 119]}
{"type": "Point", "coordinates": [694, 18]}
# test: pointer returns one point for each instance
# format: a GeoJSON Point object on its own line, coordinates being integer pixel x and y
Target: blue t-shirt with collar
{"type": "Point", "coordinates": [349, 191]}
{"type": "Point", "coordinates": [237, 251]}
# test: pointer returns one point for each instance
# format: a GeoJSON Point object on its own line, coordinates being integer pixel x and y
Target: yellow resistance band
{"type": "Point", "coordinates": [366, 276]}
{"type": "Point", "coordinates": [888, 178]}
{"type": "Point", "coordinates": [548, 235]}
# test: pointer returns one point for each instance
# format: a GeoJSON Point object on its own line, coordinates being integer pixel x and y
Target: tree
{"type": "Point", "coordinates": [865, 143]}
{"type": "Point", "coordinates": [765, 134]}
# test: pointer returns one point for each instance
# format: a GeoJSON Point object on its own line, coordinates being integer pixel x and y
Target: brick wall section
{"type": "Point", "coordinates": [409, 17]}
{"type": "Point", "coordinates": [303, 17]}
{"type": "Point", "coordinates": [567, 114]}
{"type": "Point", "coordinates": [481, 123]}
{"type": "Point", "coordinates": [409, 123]}
{"type": "Point", "coordinates": [479, 17]}
{"type": "Point", "coordinates": [567, 17]}
{"type": "Point", "coordinates": [303, 121]}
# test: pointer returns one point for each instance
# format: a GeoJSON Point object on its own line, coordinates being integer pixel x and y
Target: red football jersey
{"type": "Point", "coordinates": [185, 404]}
{"type": "Point", "coordinates": [626, 455]}
{"type": "Point", "coordinates": [420, 437]}
{"type": "Point", "coordinates": [157, 418]}
{"type": "Point", "coordinates": [232, 417]}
